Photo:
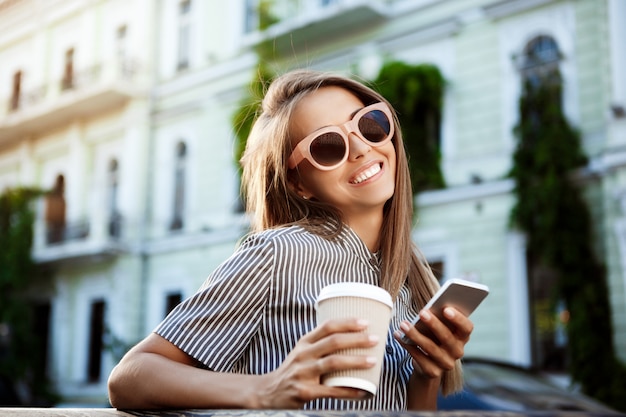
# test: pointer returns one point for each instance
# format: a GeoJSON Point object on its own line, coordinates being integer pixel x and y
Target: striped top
{"type": "Point", "coordinates": [251, 311]}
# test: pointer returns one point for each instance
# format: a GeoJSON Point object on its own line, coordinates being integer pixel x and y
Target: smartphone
{"type": "Point", "coordinates": [463, 295]}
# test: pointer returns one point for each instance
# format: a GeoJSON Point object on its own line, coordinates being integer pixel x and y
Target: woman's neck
{"type": "Point", "coordinates": [368, 228]}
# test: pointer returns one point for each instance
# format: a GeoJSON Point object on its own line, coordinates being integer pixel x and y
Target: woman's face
{"type": "Point", "coordinates": [366, 180]}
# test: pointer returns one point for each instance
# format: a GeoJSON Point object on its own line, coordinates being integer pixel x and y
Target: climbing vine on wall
{"type": "Point", "coordinates": [552, 211]}
{"type": "Point", "coordinates": [416, 92]}
{"type": "Point", "coordinates": [249, 107]}
{"type": "Point", "coordinates": [19, 345]}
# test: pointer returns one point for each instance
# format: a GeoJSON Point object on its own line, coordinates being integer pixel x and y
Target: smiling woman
{"type": "Point", "coordinates": [327, 186]}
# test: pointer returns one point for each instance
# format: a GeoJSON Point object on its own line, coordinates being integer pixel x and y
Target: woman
{"type": "Point", "coordinates": [327, 184]}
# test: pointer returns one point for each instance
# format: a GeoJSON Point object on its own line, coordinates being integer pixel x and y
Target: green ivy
{"type": "Point", "coordinates": [416, 92]}
{"type": "Point", "coordinates": [266, 17]}
{"type": "Point", "coordinates": [552, 211]}
{"type": "Point", "coordinates": [19, 346]}
{"type": "Point", "coordinates": [249, 108]}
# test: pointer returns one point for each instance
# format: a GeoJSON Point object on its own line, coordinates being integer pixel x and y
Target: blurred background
{"type": "Point", "coordinates": [121, 123]}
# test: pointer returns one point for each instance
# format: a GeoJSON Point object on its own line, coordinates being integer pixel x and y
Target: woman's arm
{"type": "Point", "coordinates": [156, 374]}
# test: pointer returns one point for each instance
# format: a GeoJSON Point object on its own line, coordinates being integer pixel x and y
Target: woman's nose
{"type": "Point", "coordinates": [358, 147]}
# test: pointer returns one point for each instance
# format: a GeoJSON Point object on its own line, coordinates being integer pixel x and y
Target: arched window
{"type": "Point", "coordinates": [541, 78]}
{"type": "Point", "coordinates": [113, 195]}
{"type": "Point", "coordinates": [67, 82]}
{"type": "Point", "coordinates": [540, 59]}
{"type": "Point", "coordinates": [180, 168]}
{"type": "Point", "coordinates": [55, 211]}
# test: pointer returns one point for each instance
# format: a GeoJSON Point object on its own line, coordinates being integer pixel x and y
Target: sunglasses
{"type": "Point", "coordinates": [327, 148]}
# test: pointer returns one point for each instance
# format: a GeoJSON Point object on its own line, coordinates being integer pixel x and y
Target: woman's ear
{"type": "Point", "coordinates": [293, 181]}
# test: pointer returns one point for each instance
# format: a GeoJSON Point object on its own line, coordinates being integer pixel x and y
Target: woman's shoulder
{"type": "Point", "coordinates": [280, 235]}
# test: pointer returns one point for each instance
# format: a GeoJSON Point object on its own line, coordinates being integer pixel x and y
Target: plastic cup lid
{"type": "Point", "coordinates": [355, 289]}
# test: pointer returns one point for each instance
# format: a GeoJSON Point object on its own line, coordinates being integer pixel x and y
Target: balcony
{"type": "Point", "coordinates": [78, 241]}
{"type": "Point", "coordinates": [305, 22]}
{"type": "Point", "coordinates": [86, 93]}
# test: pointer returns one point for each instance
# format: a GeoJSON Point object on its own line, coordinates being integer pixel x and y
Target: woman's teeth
{"type": "Point", "coordinates": [368, 173]}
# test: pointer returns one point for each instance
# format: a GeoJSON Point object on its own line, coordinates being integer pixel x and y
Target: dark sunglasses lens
{"type": "Point", "coordinates": [328, 148]}
{"type": "Point", "coordinates": [375, 126]}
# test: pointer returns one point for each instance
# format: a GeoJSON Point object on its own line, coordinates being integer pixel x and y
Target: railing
{"type": "Point", "coordinates": [286, 22]}
{"type": "Point", "coordinates": [27, 99]}
{"type": "Point", "coordinates": [124, 69]}
{"type": "Point", "coordinates": [82, 78]}
{"type": "Point", "coordinates": [64, 233]}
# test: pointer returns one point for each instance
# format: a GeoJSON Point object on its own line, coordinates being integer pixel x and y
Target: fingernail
{"type": "Point", "coordinates": [405, 326]}
{"type": "Point", "coordinates": [425, 315]}
{"type": "Point", "coordinates": [363, 322]}
{"type": "Point", "coordinates": [371, 360]}
{"type": "Point", "coordinates": [449, 313]}
{"type": "Point", "coordinates": [373, 338]}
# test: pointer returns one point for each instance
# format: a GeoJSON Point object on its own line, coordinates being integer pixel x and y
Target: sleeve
{"type": "Point", "coordinates": [216, 324]}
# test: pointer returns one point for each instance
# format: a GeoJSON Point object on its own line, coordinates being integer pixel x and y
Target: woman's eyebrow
{"type": "Point", "coordinates": [351, 117]}
{"type": "Point", "coordinates": [355, 112]}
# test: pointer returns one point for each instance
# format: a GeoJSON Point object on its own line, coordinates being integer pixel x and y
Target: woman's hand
{"type": "Point", "coordinates": [430, 358]}
{"type": "Point", "coordinates": [298, 379]}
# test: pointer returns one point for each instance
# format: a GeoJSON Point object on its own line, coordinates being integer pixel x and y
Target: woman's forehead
{"type": "Point", "coordinates": [323, 107]}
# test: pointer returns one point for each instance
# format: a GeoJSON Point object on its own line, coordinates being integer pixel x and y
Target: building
{"type": "Point", "coordinates": [125, 107]}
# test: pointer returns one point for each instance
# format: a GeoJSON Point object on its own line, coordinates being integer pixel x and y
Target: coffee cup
{"type": "Point", "coordinates": [363, 301]}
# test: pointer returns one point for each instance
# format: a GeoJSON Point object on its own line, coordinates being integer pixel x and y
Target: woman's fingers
{"type": "Point", "coordinates": [319, 352]}
{"type": "Point", "coordinates": [433, 357]}
{"type": "Point", "coordinates": [330, 327]}
{"type": "Point", "coordinates": [336, 335]}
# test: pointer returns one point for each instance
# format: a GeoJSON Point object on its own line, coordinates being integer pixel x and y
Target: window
{"type": "Point", "coordinates": [171, 301]}
{"type": "Point", "coordinates": [184, 33]}
{"type": "Point", "coordinates": [67, 82]}
{"type": "Point", "coordinates": [252, 16]}
{"type": "Point", "coordinates": [113, 186]}
{"type": "Point", "coordinates": [120, 46]}
{"type": "Point", "coordinates": [55, 212]}
{"type": "Point", "coordinates": [120, 41]}
{"type": "Point", "coordinates": [180, 167]}
{"type": "Point", "coordinates": [96, 333]}
{"type": "Point", "coordinates": [539, 60]}
{"type": "Point", "coordinates": [16, 91]}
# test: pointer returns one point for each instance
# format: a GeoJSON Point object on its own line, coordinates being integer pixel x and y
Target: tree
{"type": "Point", "coordinates": [20, 347]}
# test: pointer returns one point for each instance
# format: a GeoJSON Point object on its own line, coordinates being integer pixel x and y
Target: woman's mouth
{"type": "Point", "coordinates": [367, 174]}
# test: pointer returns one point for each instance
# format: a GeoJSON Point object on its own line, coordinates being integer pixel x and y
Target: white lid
{"type": "Point", "coordinates": [355, 289]}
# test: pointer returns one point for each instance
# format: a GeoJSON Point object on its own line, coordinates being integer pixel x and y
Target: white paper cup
{"type": "Point", "coordinates": [364, 301]}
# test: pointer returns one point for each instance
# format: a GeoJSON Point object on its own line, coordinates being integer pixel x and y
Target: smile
{"type": "Point", "coordinates": [367, 174]}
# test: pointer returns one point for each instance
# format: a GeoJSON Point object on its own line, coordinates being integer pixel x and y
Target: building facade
{"type": "Point", "coordinates": [124, 110]}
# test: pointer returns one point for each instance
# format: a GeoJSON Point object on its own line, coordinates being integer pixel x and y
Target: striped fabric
{"type": "Point", "coordinates": [255, 306]}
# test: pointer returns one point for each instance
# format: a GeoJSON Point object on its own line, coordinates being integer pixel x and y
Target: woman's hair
{"type": "Point", "coordinates": [271, 201]}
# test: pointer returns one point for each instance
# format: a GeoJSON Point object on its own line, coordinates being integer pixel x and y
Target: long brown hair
{"type": "Point", "coordinates": [271, 202]}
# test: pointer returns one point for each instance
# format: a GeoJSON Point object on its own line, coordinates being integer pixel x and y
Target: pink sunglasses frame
{"type": "Point", "coordinates": [302, 150]}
